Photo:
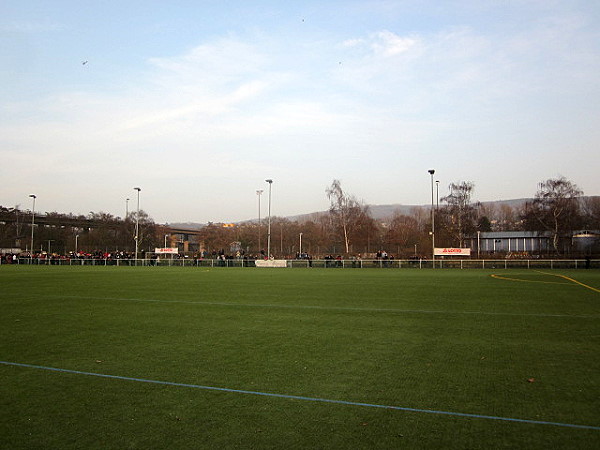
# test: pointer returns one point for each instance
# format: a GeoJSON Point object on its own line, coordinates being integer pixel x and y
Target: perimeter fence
{"type": "Point", "coordinates": [330, 264]}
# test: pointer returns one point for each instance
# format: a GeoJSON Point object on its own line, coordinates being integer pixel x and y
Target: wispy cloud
{"type": "Point", "coordinates": [327, 105]}
{"type": "Point", "coordinates": [382, 43]}
{"type": "Point", "coordinates": [30, 27]}
{"type": "Point", "coordinates": [387, 43]}
{"type": "Point", "coordinates": [224, 60]}
{"type": "Point", "coordinates": [204, 107]}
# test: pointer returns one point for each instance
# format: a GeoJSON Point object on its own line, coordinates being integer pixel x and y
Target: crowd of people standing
{"type": "Point", "coordinates": [331, 260]}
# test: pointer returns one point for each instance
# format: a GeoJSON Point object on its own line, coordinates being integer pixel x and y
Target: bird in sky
{"type": "Point", "coordinates": [84, 62]}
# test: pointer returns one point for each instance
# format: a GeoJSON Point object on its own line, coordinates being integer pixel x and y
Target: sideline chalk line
{"type": "Point", "coordinates": [298, 397]}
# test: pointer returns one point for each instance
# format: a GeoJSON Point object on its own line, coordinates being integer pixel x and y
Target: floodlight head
{"type": "Point", "coordinates": [259, 191]}
{"type": "Point", "coordinates": [137, 189]}
{"type": "Point", "coordinates": [431, 171]}
{"type": "Point", "coordinates": [269, 181]}
{"type": "Point", "coordinates": [32, 196]}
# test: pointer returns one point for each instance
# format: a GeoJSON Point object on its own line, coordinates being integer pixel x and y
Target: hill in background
{"type": "Point", "coordinates": [378, 212]}
{"type": "Point", "coordinates": [381, 212]}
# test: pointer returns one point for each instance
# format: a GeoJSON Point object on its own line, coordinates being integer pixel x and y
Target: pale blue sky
{"type": "Point", "coordinates": [199, 102]}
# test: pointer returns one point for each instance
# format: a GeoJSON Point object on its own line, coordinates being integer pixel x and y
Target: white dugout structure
{"type": "Point", "coordinates": [511, 241]}
{"type": "Point", "coordinates": [532, 242]}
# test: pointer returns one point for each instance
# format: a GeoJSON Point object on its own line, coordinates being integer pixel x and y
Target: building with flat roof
{"type": "Point", "coordinates": [532, 242]}
{"type": "Point", "coordinates": [490, 242]}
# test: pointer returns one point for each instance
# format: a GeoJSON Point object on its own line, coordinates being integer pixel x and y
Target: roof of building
{"type": "Point", "coordinates": [513, 234]}
{"type": "Point", "coordinates": [530, 234]}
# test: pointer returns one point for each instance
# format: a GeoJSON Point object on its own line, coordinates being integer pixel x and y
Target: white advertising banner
{"type": "Point", "coordinates": [452, 252]}
{"type": "Point", "coordinates": [166, 251]}
{"type": "Point", "coordinates": [271, 263]}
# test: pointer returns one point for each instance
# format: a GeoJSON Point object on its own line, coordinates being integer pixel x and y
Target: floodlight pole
{"type": "Point", "coordinates": [431, 172]}
{"type": "Point", "coordinates": [126, 208]}
{"type": "Point", "coordinates": [137, 224]}
{"type": "Point", "coordinates": [269, 221]}
{"type": "Point", "coordinates": [259, 193]}
{"type": "Point", "coordinates": [437, 195]}
{"type": "Point", "coordinates": [32, 224]}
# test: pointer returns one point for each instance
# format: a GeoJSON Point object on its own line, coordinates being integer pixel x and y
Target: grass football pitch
{"type": "Point", "coordinates": [159, 357]}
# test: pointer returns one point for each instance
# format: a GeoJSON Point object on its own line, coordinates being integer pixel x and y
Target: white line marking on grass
{"type": "Point", "coordinates": [299, 397]}
{"type": "Point", "coordinates": [324, 308]}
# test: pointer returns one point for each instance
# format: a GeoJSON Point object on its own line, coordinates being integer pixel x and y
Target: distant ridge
{"type": "Point", "coordinates": [186, 225]}
{"type": "Point", "coordinates": [378, 212]}
{"type": "Point", "coordinates": [381, 212]}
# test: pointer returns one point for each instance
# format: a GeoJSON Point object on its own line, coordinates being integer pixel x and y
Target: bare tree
{"type": "Point", "coordinates": [404, 233]}
{"type": "Point", "coordinates": [508, 220]}
{"type": "Point", "coordinates": [555, 208]}
{"type": "Point", "coordinates": [459, 215]}
{"type": "Point", "coordinates": [591, 213]}
{"type": "Point", "coordinates": [347, 213]}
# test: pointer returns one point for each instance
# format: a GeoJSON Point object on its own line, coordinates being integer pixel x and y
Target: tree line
{"type": "Point", "coordinates": [65, 233]}
{"type": "Point", "coordinates": [558, 208]}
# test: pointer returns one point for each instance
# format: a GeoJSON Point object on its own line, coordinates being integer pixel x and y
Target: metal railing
{"type": "Point", "coordinates": [328, 263]}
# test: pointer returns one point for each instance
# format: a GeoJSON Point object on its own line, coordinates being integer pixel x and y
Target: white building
{"type": "Point", "coordinates": [490, 242]}
{"type": "Point", "coordinates": [532, 242]}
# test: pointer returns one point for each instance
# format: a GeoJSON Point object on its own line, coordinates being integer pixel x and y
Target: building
{"type": "Point", "coordinates": [586, 242]}
{"type": "Point", "coordinates": [186, 240]}
{"type": "Point", "coordinates": [582, 242]}
{"type": "Point", "coordinates": [490, 242]}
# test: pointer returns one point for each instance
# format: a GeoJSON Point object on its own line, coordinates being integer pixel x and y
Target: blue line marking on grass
{"type": "Point", "coordinates": [299, 397]}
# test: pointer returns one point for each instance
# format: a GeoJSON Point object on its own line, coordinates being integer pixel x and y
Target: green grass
{"type": "Point", "coordinates": [443, 340]}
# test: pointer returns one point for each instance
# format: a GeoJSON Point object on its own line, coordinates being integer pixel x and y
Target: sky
{"type": "Point", "coordinates": [197, 103]}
